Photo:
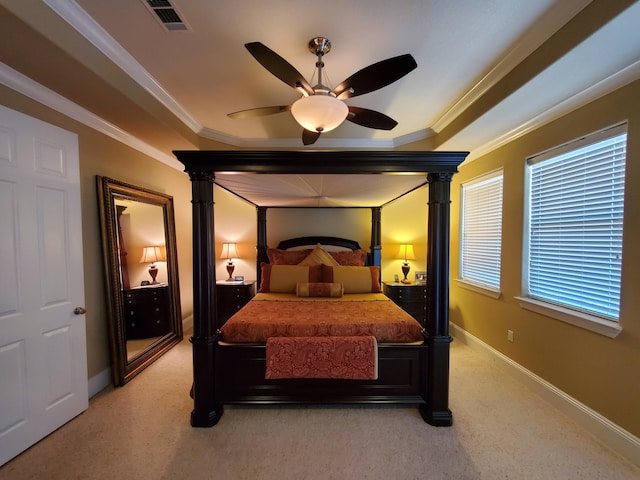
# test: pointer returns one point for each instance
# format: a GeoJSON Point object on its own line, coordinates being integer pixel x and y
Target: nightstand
{"type": "Point", "coordinates": [411, 297]}
{"type": "Point", "coordinates": [231, 297]}
{"type": "Point", "coordinates": [147, 312]}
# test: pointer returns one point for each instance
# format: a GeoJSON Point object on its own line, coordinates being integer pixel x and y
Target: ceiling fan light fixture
{"type": "Point", "coordinates": [319, 112]}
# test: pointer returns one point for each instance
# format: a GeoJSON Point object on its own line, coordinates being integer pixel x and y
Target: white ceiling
{"type": "Point", "coordinates": [320, 190]}
{"type": "Point", "coordinates": [488, 70]}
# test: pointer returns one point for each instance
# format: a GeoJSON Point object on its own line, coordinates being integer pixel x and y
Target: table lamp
{"type": "Point", "coordinates": [151, 255]}
{"type": "Point", "coordinates": [406, 253]}
{"type": "Point", "coordinates": [229, 251]}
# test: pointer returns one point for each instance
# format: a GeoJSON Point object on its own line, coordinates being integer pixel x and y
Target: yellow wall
{"type": "Point", "coordinates": [235, 221]}
{"type": "Point", "coordinates": [601, 372]}
{"type": "Point", "coordinates": [101, 155]}
{"type": "Point", "coordinates": [405, 221]}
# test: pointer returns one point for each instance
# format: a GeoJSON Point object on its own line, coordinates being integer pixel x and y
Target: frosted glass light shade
{"type": "Point", "coordinates": [319, 113]}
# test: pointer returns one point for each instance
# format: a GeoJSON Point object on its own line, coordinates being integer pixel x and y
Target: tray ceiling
{"type": "Point", "coordinates": [488, 71]}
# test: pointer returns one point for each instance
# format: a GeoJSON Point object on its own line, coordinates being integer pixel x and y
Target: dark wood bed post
{"type": "Point", "coordinates": [262, 243]}
{"type": "Point", "coordinates": [376, 236]}
{"type": "Point", "coordinates": [436, 410]}
{"type": "Point", "coordinates": [206, 412]}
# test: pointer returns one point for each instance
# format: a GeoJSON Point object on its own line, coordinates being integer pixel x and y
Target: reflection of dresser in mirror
{"type": "Point", "coordinates": [147, 312]}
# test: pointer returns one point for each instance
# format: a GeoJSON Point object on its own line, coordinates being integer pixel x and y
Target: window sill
{"type": "Point", "coordinates": [583, 320]}
{"type": "Point", "coordinates": [474, 287]}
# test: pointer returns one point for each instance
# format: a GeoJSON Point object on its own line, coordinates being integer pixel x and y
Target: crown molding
{"type": "Point", "coordinates": [24, 85]}
{"type": "Point", "coordinates": [84, 24]}
{"type": "Point", "coordinates": [78, 19]}
{"type": "Point", "coordinates": [323, 142]}
{"type": "Point", "coordinates": [414, 137]}
{"type": "Point", "coordinates": [41, 94]}
{"type": "Point", "coordinates": [608, 85]}
{"type": "Point", "coordinates": [537, 35]}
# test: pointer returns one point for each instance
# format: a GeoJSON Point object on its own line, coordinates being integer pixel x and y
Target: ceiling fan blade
{"type": "Point", "coordinates": [259, 111]}
{"type": "Point", "coordinates": [309, 137]}
{"type": "Point", "coordinates": [370, 118]}
{"type": "Point", "coordinates": [375, 76]}
{"type": "Point", "coordinates": [278, 66]}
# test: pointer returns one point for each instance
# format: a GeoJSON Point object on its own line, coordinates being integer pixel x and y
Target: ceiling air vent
{"type": "Point", "coordinates": [166, 14]}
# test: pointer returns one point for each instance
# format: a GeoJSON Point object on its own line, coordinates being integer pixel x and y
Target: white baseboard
{"type": "Point", "coordinates": [99, 382]}
{"type": "Point", "coordinates": [102, 380]}
{"type": "Point", "coordinates": [615, 437]}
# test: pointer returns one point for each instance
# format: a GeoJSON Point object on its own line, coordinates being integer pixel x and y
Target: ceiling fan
{"type": "Point", "coordinates": [321, 109]}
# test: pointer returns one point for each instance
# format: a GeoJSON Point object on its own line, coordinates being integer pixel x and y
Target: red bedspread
{"type": "Point", "coordinates": [352, 358]}
{"type": "Point", "coordinates": [380, 318]}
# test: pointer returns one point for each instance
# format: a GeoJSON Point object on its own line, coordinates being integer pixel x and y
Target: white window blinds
{"type": "Point", "coordinates": [481, 231]}
{"type": "Point", "coordinates": [576, 204]}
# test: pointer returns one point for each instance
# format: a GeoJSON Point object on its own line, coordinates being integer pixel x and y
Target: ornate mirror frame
{"type": "Point", "coordinates": [127, 365]}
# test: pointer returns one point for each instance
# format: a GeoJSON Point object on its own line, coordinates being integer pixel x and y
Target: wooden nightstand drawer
{"type": "Point", "coordinates": [147, 312]}
{"type": "Point", "coordinates": [231, 297]}
{"type": "Point", "coordinates": [412, 298]}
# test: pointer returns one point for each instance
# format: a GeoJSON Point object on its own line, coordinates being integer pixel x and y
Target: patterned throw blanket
{"type": "Point", "coordinates": [353, 358]}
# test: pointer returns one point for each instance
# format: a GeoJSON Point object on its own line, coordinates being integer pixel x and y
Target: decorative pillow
{"type": "Point", "coordinates": [318, 256]}
{"type": "Point", "coordinates": [353, 258]}
{"type": "Point", "coordinates": [285, 278]}
{"type": "Point", "coordinates": [286, 257]}
{"type": "Point", "coordinates": [353, 279]}
{"type": "Point", "coordinates": [319, 289]}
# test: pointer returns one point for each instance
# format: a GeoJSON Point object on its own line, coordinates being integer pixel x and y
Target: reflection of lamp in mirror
{"type": "Point", "coordinates": [152, 255]}
{"type": "Point", "coordinates": [406, 253]}
{"type": "Point", "coordinates": [229, 251]}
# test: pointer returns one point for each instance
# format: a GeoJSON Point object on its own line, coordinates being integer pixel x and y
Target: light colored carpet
{"type": "Point", "coordinates": [141, 431]}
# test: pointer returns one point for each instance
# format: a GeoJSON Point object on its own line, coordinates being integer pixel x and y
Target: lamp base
{"type": "Point", "coordinates": [230, 269]}
{"type": "Point", "coordinates": [153, 271]}
{"type": "Point", "coordinates": [405, 271]}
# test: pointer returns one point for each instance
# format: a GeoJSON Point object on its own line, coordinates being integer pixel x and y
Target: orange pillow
{"type": "Point", "coordinates": [285, 278]}
{"type": "Point", "coordinates": [286, 257]}
{"type": "Point", "coordinates": [353, 279]}
{"type": "Point", "coordinates": [353, 258]}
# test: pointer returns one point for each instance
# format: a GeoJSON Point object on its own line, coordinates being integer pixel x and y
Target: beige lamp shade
{"type": "Point", "coordinates": [229, 251]}
{"type": "Point", "coordinates": [153, 254]}
{"type": "Point", "coordinates": [406, 252]}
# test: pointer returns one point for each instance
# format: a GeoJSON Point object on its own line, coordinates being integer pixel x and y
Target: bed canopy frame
{"type": "Point", "coordinates": [202, 166]}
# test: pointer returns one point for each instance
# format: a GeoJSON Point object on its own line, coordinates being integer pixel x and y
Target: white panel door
{"type": "Point", "coordinates": [43, 361]}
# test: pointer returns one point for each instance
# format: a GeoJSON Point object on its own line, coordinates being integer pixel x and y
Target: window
{"type": "Point", "coordinates": [573, 234]}
{"type": "Point", "coordinates": [481, 231]}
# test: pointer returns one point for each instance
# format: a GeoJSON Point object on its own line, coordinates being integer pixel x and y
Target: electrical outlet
{"type": "Point", "coordinates": [510, 335]}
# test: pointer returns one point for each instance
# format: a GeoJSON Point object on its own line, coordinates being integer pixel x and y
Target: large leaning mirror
{"type": "Point", "coordinates": [139, 245]}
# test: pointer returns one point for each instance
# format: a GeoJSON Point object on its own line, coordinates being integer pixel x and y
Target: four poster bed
{"type": "Point", "coordinates": [236, 366]}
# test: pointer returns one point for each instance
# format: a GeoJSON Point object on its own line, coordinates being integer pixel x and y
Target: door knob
{"type": "Point", "coordinates": [79, 310]}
